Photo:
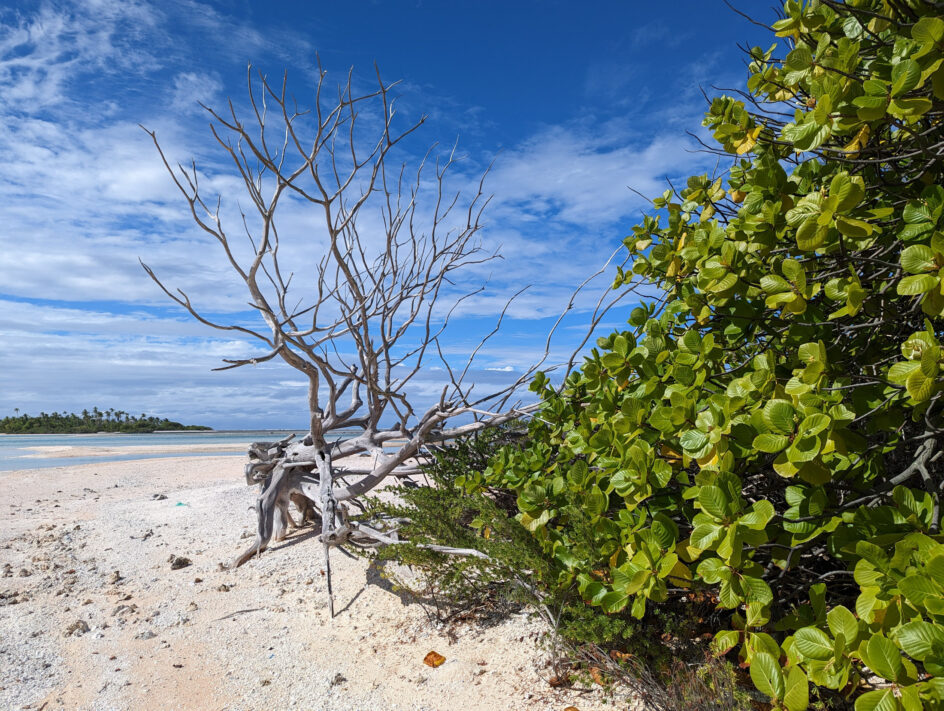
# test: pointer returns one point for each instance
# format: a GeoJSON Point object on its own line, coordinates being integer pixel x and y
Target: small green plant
{"type": "Point", "coordinates": [442, 513]}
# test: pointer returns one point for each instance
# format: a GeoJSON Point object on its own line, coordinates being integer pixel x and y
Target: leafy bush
{"type": "Point", "coordinates": [652, 657]}
{"type": "Point", "coordinates": [769, 432]}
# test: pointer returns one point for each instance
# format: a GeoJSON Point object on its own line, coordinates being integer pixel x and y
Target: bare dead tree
{"type": "Point", "coordinates": [370, 314]}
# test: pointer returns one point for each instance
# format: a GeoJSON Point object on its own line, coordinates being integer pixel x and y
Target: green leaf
{"type": "Point", "coordinates": [851, 227]}
{"type": "Point", "coordinates": [597, 501]}
{"type": "Point", "coordinates": [917, 258]}
{"type": "Point", "coordinates": [794, 271]}
{"type": "Point", "coordinates": [757, 614]}
{"type": "Point", "coordinates": [806, 136]}
{"type": "Point", "coordinates": [873, 554]}
{"type": "Point", "coordinates": [931, 361]}
{"type": "Point", "coordinates": [899, 372]}
{"type": "Point", "coordinates": [884, 658]}
{"type": "Point", "coordinates": [713, 501]}
{"type": "Point", "coordinates": [920, 640]}
{"type": "Point", "coordinates": [799, 59]}
{"type": "Point", "coordinates": [693, 440]}
{"type": "Point", "coordinates": [808, 206]}
{"type": "Point", "coordinates": [691, 342]}
{"type": "Point", "coordinates": [879, 700]}
{"type": "Point", "coordinates": [711, 569]}
{"type": "Point", "coordinates": [770, 443]}
{"type": "Point", "coordinates": [759, 516]}
{"type": "Point", "coordinates": [664, 530]}
{"type": "Point", "coordinates": [661, 419]}
{"type": "Point", "coordinates": [917, 284]}
{"type": "Point", "coordinates": [629, 579]}
{"type": "Point", "coordinates": [784, 467]}
{"type": "Point", "coordinates": [919, 386]}
{"type": "Point", "coordinates": [928, 30]}
{"type": "Point", "coordinates": [813, 425]}
{"type": "Point", "coordinates": [724, 641]}
{"type": "Point", "coordinates": [728, 597]}
{"type": "Point", "coordinates": [773, 284]}
{"type": "Point", "coordinates": [915, 212]}
{"type": "Point", "coordinates": [909, 108]}
{"type": "Point", "coordinates": [705, 535]}
{"type": "Point", "coordinates": [870, 108]}
{"type": "Point", "coordinates": [613, 602]}
{"type": "Point", "coordinates": [918, 588]}
{"type": "Point", "coordinates": [935, 569]}
{"type": "Point", "coordinates": [797, 696]}
{"type": "Point", "coordinates": [756, 590]}
{"type": "Point", "coordinates": [905, 76]}
{"type": "Point", "coordinates": [767, 676]}
{"type": "Point", "coordinates": [847, 191]}
{"type": "Point", "coordinates": [667, 564]}
{"type": "Point", "coordinates": [811, 234]}
{"type": "Point", "coordinates": [719, 285]}
{"type": "Point", "coordinates": [937, 83]}
{"type": "Point", "coordinates": [842, 621]}
{"type": "Point", "coordinates": [811, 353]}
{"type": "Point", "coordinates": [812, 643]}
{"type": "Point", "coordinates": [910, 699]}
{"type": "Point", "coordinates": [778, 415]}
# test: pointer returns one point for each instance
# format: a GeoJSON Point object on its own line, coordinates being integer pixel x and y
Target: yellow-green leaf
{"type": "Point", "coordinates": [916, 284]}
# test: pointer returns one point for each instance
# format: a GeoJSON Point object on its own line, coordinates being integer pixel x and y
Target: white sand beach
{"type": "Point", "coordinates": [93, 617]}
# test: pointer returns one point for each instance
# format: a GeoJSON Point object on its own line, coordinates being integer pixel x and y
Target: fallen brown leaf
{"type": "Point", "coordinates": [597, 676]}
{"type": "Point", "coordinates": [433, 659]}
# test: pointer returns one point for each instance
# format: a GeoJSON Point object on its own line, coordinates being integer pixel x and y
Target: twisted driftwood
{"type": "Point", "coordinates": [369, 311]}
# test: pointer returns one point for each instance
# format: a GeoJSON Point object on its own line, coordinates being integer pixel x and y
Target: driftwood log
{"type": "Point", "coordinates": [291, 472]}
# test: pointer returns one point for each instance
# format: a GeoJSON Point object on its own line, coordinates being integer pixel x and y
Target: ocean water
{"type": "Point", "coordinates": [14, 448]}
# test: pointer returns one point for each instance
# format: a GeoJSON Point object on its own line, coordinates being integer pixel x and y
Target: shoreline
{"type": "Point", "coordinates": [65, 451]}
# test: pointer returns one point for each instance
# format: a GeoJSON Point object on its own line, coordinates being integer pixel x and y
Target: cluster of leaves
{"type": "Point", "coordinates": [769, 432]}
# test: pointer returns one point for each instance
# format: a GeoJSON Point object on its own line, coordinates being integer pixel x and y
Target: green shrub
{"type": "Point", "coordinates": [769, 432]}
{"type": "Point", "coordinates": [649, 655]}
{"type": "Point", "coordinates": [444, 514]}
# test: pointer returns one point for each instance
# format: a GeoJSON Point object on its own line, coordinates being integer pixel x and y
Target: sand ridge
{"type": "Point", "coordinates": [65, 451]}
{"type": "Point", "coordinates": [92, 616]}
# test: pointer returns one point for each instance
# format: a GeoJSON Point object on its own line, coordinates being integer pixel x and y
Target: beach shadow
{"type": "Point", "coordinates": [296, 537]}
{"type": "Point", "coordinates": [375, 576]}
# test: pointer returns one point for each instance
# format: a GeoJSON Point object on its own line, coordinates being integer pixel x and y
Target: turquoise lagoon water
{"type": "Point", "coordinates": [14, 448]}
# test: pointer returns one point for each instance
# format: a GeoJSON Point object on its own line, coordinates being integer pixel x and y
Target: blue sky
{"type": "Point", "coordinates": [573, 107]}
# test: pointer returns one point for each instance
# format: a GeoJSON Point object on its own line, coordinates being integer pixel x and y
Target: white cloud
{"type": "Point", "coordinates": [192, 89]}
{"type": "Point", "coordinates": [84, 196]}
{"type": "Point", "coordinates": [570, 175]}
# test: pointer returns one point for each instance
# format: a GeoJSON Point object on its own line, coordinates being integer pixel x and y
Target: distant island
{"type": "Point", "coordinates": [89, 421]}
